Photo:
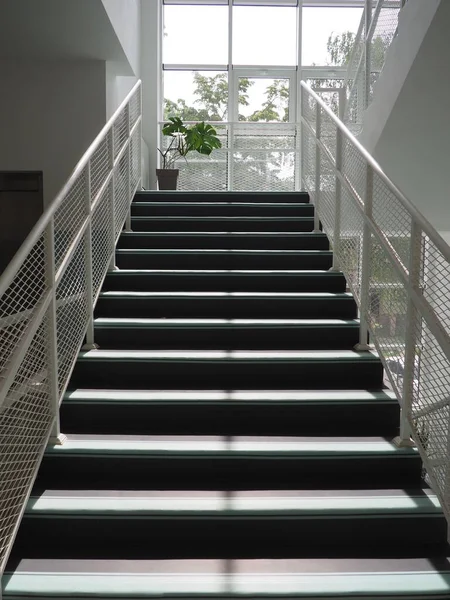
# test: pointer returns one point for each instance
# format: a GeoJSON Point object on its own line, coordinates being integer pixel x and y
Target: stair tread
{"type": "Point", "coordinates": [217, 355]}
{"type": "Point", "coordinates": [225, 218]}
{"type": "Point", "coordinates": [224, 203]}
{"type": "Point", "coordinates": [231, 397]}
{"type": "Point", "coordinates": [304, 503]}
{"type": "Point", "coordinates": [246, 272]}
{"type": "Point", "coordinates": [265, 295]}
{"type": "Point", "coordinates": [78, 444]}
{"type": "Point", "coordinates": [302, 578]}
{"type": "Point", "coordinates": [109, 322]}
{"type": "Point", "coordinates": [310, 234]}
{"type": "Point", "coordinates": [218, 251]}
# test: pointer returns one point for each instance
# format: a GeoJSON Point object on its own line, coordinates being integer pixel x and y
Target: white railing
{"type": "Point", "coordinates": [398, 268]}
{"type": "Point", "coordinates": [377, 29]}
{"type": "Point", "coordinates": [47, 296]}
{"type": "Point", "coordinates": [253, 157]}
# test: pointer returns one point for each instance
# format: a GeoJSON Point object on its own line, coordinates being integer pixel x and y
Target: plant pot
{"type": "Point", "coordinates": [167, 178]}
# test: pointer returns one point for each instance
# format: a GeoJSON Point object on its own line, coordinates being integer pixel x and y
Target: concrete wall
{"type": "Point", "coordinates": [50, 112]}
{"type": "Point", "coordinates": [413, 146]}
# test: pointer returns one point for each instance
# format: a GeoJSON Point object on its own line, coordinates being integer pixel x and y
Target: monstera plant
{"type": "Point", "coordinates": [200, 137]}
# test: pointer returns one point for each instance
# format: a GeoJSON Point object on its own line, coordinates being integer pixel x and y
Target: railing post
{"type": "Point", "coordinates": [56, 437]}
{"type": "Point", "coordinates": [364, 303]}
{"type": "Point", "coordinates": [129, 178]}
{"type": "Point", "coordinates": [230, 157]}
{"type": "Point", "coordinates": [412, 334]}
{"type": "Point", "coordinates": [318, 169]}
{"type": "Point", "coordinates": [112, 212]}
{"type": "Point", "coordinates": [337, 205]}
{"type": "Point", "coordinates": [90, 343]}
{"type": "Point", "coordinates": [368, 53]}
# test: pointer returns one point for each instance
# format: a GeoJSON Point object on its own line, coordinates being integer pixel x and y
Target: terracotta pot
{"type": "Point", "coordinates": [167, 178]}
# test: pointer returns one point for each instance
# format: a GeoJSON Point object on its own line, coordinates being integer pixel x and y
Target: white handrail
{"type": "Point", "coordinates": [47, 298]}
{"type": "Point", "coordinates": [21, 254]}
{"type": "Point", "coordinates": [426, 226]}
{"type": "Point", "coordinates": [397, 265]}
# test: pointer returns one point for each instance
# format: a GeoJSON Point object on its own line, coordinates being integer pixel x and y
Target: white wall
{"type": "Point", "coordinates": [125, 16]}
{"type": "Point", "coordinates": [414, 146]}
{"type": "Point", "coordinates": [50, 112]}
{"type": "Point", "coordinates": [151, 73]}
{"type": "Point", "coordinates": [414, 21]}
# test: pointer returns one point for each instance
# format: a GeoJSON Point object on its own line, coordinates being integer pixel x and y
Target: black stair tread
{"type": "Point", "coordinates": [206, 203]}
{"type": "Point", "coordinates": [237, 234]}
{"type": "Point", "coordinates": [224, 219]}
{"type": "Point", "coordinates": [218, 252]}
{"type": "Point", "coordinates": [235, 503]}
{"type": "Point", "coordinates": [233, 446]}
{"type": "Point", "coordinates": [228, 398]}
{"type": "Point", "coordinates": [123, 322]}
{"type": "Point", "coordinates": [327, 578]}
{"type": "Point", "coordinates": [209, 196]}
{"type": "Point", "coordinates": [225, 272]}
{"type": "Point", "coordinates": [295, 296]}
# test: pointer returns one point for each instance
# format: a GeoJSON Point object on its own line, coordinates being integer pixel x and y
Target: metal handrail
{"type": "Point", "coordinates": [365, 211]}
{"type": "Point", "coordinates": [40, 226]}
{"type": "Point", "coordinates": [407, 204]}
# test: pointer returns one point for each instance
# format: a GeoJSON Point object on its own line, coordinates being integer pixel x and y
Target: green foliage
{"type": "Point", "coordinates": [277, 100]}
{"type": "Point", "coordinates": [200, 137]}
{"type": "Point", "coordinates": [339, 48]}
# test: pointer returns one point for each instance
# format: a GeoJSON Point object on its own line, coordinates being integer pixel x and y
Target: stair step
{"type": "Point", "coordinates": [231, 305]}
{"type": "Point", "coordinates": [327, 578]}
{"type": "Point", "coordinates": [197, 196]}
{"type": "Point", "coordinates": [221, 224]}
{"type": "Point", "coordinates": [233, 334]}
{"type": "Point", "coordinates": [184, 524]}
{"type": "Point", "coordinates": [223, 259]}
{"type": "Point", "coordinates": [256, 412]}
{"type": "Point", "coordinates": [132, 369]}
{"type": "Point", "coordinates": [205, 208]}
{"type": "Point", "coordinates": [275, 240]}
{"type": "Point", "coordinates": [223, 280]}
{"type": "Point", "coordinates": [227, 463]}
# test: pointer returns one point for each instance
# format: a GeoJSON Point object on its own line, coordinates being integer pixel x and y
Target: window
{"type": "Point", "coordinates": [264, 35]}
{"type": "Point", "coordinates": [196, 95]}
{"type": "Point", "coordinates": [188, 32]}
{"type": "Point", "coordinates": [328, 35]}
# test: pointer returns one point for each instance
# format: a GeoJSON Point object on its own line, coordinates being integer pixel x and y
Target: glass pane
{"type": "Point", "coordinates": [263, 99]}
{"type": "Point", "coordinates": [331, 99]}
{"type": "Point", "coordinates": [264, 35]}
{"type": "Point", "coordinates": [329, 35]}
{"type": "Point", "coordinates": [195, 35]}
{"type": "Point", "coordinates": [196, 95]}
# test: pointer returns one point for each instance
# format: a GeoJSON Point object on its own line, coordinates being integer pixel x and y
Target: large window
{"type": "Point", "coordinates": [264, 35]}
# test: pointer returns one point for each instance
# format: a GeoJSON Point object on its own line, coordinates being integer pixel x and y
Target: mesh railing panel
{"type": "Point", "coordinates": [404, 296]}
{"type": "Point", "coordinates": [44, 311]}
{"type": "Point", "coordinates": [72, 311]}
{"type": "Point", "coordinates": [257, 157]}
{"type": "Point", "coordinates": [25, 420]}
{"type": "Point", "coordinates": [121, 193]}
{"type": "Point", "coordinates": [100, 166]}
{"type": "Point", "coordinates": [69, 217]}
{"type": "Point", "coordinates": [102, 247]}
{"type": "Point", "coordinates": [120, 131]}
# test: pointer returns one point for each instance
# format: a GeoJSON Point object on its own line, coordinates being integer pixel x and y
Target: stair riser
{"type": "Point", "coordinates": [222, 261]}
{"type": "Point", "coordinates": [140, 209]}
{"type": "Point", "coordinates": [262, 197]}
{"type": "Point", "coordinates": [230, 419]}
{"type": "Point", "coordinates": [219, 224]}
{"type": "Point", "coordinates": [242, 338]}
{"type": "Point", "coordinates": [224, 282]}
{"type": "Point", "coordinates": [226, 375]}
{"type": "Point", "coordinates": [209, 472]}
{"type": "Point", "coordinates": [226, 308]}
{"type": "Point", "coordinates": [215, 536]}
{"type": "Point", "coordinates": [224, 241]}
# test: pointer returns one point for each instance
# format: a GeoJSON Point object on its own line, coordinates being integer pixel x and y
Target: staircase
{"type": "Point", "coordinates": [226, 440]}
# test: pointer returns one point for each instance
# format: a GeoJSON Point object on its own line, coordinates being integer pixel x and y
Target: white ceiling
{"type": "Point", "coordinates": [58, 29]}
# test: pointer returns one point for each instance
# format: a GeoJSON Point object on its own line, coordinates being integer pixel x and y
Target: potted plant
{"type": "Point", "coordinates": [200, 137]}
